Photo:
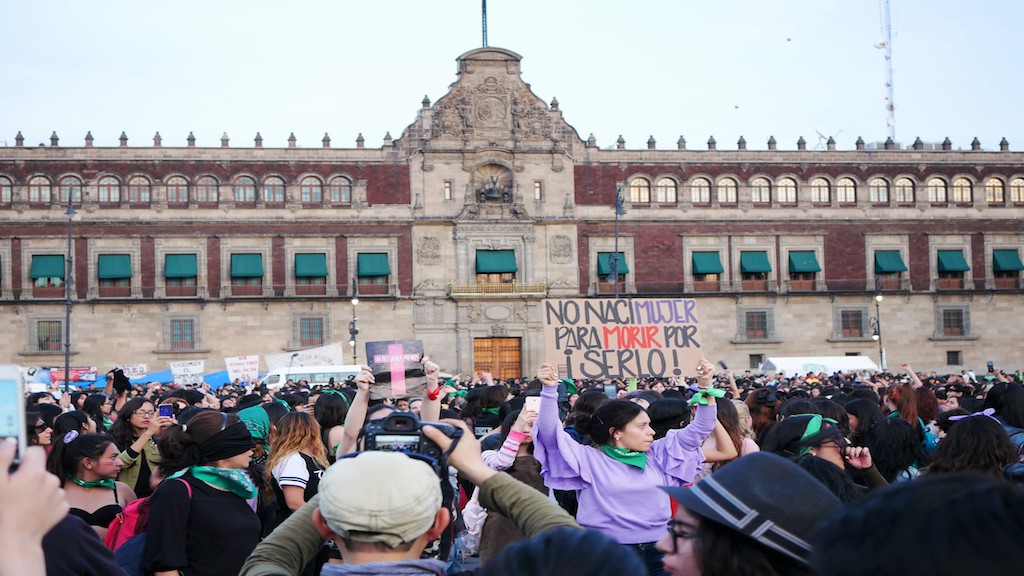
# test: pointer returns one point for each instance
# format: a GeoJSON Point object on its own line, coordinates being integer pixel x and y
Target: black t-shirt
{"type": "Point", "coordinates": [72, 548]}
{"type": "Point", "coordinates": [208, 535]}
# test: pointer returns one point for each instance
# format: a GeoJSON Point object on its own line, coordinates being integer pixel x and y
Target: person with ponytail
{"type": "Point", "coordinates": [330, 411]}
{"type": "Point", "coordinates": [200, 521]}
{"type": "Point", "coordinates": [618, 477]}
{"type": "Point", "coordinates": [87, 465]}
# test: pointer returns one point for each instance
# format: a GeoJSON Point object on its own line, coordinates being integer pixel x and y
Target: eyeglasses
{"type": "Point", "coordinates": [40, 428]}
{"type": "Point", "coordinates": [144, 413]}
{"type": "Point", "coordinates": [679, 529]}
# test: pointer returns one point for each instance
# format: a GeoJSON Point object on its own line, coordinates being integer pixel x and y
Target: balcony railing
{"type": "Point", "coordinates": [511, 288]}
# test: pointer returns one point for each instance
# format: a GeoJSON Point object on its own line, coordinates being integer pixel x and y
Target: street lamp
{"type": "Point", "coordinates": [613, 261]}
{"type": "Point", "coordinates": [876, 329]}
{"type": "Point", "coordinates": [353, 326]}
{"type": "Point", "coordinates": [69, 280]}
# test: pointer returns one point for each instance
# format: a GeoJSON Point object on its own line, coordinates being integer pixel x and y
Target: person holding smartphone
{"type": "Point", "coordinates": [135, 434]}
{"type": "Point", "coordinates": [618, 477]}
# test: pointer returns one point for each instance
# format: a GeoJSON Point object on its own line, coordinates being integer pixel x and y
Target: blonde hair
{"type": "Point", "coordinates": [297, 432]}
{"type": "Point", "coordinates": [746, 430]}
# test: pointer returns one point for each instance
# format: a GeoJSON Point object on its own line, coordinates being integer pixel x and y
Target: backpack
{"type": "Point", "coordinates": [126, 535]}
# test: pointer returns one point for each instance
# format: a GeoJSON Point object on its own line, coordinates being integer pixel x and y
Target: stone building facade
{"type": "Point", "coordinates": [488, 203]}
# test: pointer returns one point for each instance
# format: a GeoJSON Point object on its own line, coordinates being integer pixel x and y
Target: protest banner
{"type": "Point", "coordinates": [397, 367]}
{"type": "Point", "coordinates": [332, 354]}
{"type": "Point", "coordinates": [242, 367]}
{"type": "Point", "coordinates": [133, 371]}
{"type": "Point", "coordinates": [188, 371]}
{"type": "Point", "coordinates": [79, 374]}
{"type": "Point", "coordinates": [622, 338]}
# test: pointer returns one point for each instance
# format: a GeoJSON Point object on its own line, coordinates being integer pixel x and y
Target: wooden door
{"type": "Point", "coordinates": [502, 357]}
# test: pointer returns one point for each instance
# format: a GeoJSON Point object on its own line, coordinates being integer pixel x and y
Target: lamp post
{"type": "Point", "coordinates": [613, 261]}
{"type": "Point", "coordinates": [69, 280]}
{"type": "Point", "coordinates": [353, 326]}
{"type": "Point", "coordinates": [876, 329]}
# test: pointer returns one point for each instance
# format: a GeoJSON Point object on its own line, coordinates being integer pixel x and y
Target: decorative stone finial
{"type": "Point", "coordinates": [326, 140]}
{"type": "Point", "coordinates": [652, 143]}
{"type": "Point", "coordinates": [258, 140]}
{"type": "Point", "coordinates": [54, 139]}
{"type": "Point", "coordinates": [388, 141]}
{"type": "Point", "coordinates": [801, 144]}
{"type": "Point", "coordinates": [123, 139]}
{"type": "Point", "coordinates": [620, 143]}
{"type": "Point", "coordinates": [918, 144]}
{"type": "Point", "coordinates": [291, 140]}
{"type": "Point", "coordinates": [741, 144]}
{"type": "Point", "coordinates": [1004, 146]}
{"type": "Point", "coordinates": [426, 101]}
{"type": "Point", "coordinates": [975, 144]}
{"type": "Point", "coordinates": [157, 140]}
{"type": "Point", "coordinates": [191, 140]}
{"type": "Point", "coordinates": [712, 145]}
{"type": "Point", "coordinates": [88, 139]}
{"type": "Point", "coordinates": [681, 143]}
{"type": "Point", "coordinates": [224, 140]}
{"type": "Point", "coordinates": [831, 143]}
{"type": "Point", "coordinates": [947, 144]}
{"type": "Point", "coordinates": [554, 103]}
{"type": "Point", "coordinates": [591, 141]}
{"type": "Point", "coordinates": [859, 143]}
{"type": "Point", "coordinates": [19, 140]}
{"type": "Point", "coordinates": [889, 144]}
{"type": "Point", "coordinates": [772, 143]}
{"type": "Point", "coordinates": [360, 141]}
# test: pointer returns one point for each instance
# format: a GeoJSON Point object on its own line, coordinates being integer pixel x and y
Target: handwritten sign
{"type": "Point", "coordinates": [187, 371]}
{"type": "Point", "coordinates": [242, 367]}
{"type": "Point", "coordinates": [133, 371]}
{"type": "Point", "coordinates": [624, 338]}
{"type": "Point", "coordinates": [397, 368]}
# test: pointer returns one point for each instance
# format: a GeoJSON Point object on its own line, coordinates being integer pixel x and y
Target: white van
{"type": "Point", "coordinates": [315, 375]}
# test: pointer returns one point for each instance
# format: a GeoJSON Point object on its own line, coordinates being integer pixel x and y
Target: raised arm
{"type": "Point", "coordinates": [430, 410]}
{"type": "Point", "coordinates": [356, 414]}
{"type": "Point", "coordinates": [505, 456]}
{"type": "Point", "coordinates": [563, 460]}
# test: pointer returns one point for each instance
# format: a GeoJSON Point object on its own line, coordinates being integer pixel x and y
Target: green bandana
{"type": "Point", "coordinates": [813, 427]}
{"type": "Point", "coordinates": [107, 423]}
{"type": "Point", "coordinates": [701, 396]}
{"type": "Point", "coordinates": [489, 411]}
{"type": "Point", "coordinates": [628, 457]}
{"type": "Point", "coordinates": [235, 481]}
{"type": "Point", "coordinates": [104, 483]}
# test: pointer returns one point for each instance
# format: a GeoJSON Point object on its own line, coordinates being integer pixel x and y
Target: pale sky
{"type": "Point", "coordinates": [726, 68]}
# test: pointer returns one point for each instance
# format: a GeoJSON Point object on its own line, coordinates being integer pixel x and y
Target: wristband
{"type": "Point", "coordinates": [517, 436]}
{"type": "Point", "coordinates": [434, 394]}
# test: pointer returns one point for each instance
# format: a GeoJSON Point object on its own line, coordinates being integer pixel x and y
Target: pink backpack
{"type": "Point", "coordinates": [132, 521]}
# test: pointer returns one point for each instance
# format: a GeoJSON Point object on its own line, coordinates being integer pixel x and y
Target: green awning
{"type": "Point", "coordinates": [604, 264]}
{"type": "Point", "coordinates": [114, 266]}
{"type": "Point", "coordinates": [1003, 261]}
{"type": "Point", "coordinates": [952, 261]}
{"type": "Point", "coordinates": [754, 263]}
{"type": "Point", "coordinates": [180, 266]}
{"type": "Point", "coordinates": [247, 265]}
{"type": "Point", "coordinates": [373, 264]}
{"type": "Point", "coordinates": [803, 262]}
{"type": "Point", "coordinates": [707, 263]}
{"type": "Point", "coordinates": [311, 265]}
{"type": "Point", "coordinates": [889, 262]}
{"type": "Point", "coordinates": [47, 266]}
{"type": "Point", "coordinates": [495, 261]}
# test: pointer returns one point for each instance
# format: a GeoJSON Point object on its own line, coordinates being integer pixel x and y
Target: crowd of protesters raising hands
{"type": "Point", "coordinates": [718, 474]}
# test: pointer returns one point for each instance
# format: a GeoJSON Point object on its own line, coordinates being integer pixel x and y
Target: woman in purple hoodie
{"type": "Point", "coordinates": [617, 478]}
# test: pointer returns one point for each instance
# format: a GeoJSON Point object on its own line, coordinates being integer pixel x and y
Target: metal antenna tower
{"type": "Point", "coordinates": [484, 16]}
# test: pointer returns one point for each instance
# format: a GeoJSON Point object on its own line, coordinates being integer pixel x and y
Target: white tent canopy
{"type": "Point", "coordinates": [799, 365]}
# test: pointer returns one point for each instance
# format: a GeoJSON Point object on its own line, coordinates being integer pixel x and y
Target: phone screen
{"type": "Point", "coordinates": [12, 406]}
{"type": "Point", "coordinates": [611, 391]}
{"type": "Point", "coordinates": [532, 403]}
{"type": "Point", "coordinates": [166, 410]}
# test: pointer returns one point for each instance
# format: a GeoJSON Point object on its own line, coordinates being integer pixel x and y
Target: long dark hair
{"type": "Point", "coordinates": [175, 440]}
{"type": "Point", "coordinates": [74, 420]}
{"type": "Point", "coordinates": [1007, 398]}
{"type": "Point", "coordinates": [122, 430]}
{"type": "Point", "coordinates": [867, 413]}
{"type": "Point", "coordinates": [612, 415]}
{"type": "Point", "coordinates": [730, 420]}
{"type": "Point", "coordinates": [63, 461]}
{"type": "Point", "coordinates": [833, 477]}
{"type": "Point", "coordinates": [894, 447]}
{"type": "Point", "coordinates": [584, 409]}
{"type": "Point", "coordinates": [668, 414]}
{"type": "Point", "coordinates": [974, 444]}
{"type": "Point", "coordinates": [93, 406]}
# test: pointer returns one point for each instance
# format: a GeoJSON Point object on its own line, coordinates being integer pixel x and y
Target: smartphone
{"type": "Point", "coordinates": [991, 367]}
{"type": "Point", "coordinates": [166, 410]}
{"type": "Point", "coordinates": [532, 403]}
{"type": "Point", "coordinates": [611, 391]}
{"type": "Point", "coordinates": [12, 408]}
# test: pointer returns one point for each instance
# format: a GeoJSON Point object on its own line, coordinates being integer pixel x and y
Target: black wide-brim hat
{"type": "Point", "coordinates": [764, 497]}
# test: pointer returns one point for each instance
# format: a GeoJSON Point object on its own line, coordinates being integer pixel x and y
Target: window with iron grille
{"type": "Point", "coordinates": [48, 334]}
{"type": "Point", "coordinates": [182, 333]}
{"type": "Point", "coordinates": [954, 358]}
{"type": "Point", "coordinates": [953, 322]}
{"type": "Point", "coordinates": [852, 323]}
{"type": "Point", "coordinates": [756, 325]}
{"type": "Point", "coordinates": [311, 331]}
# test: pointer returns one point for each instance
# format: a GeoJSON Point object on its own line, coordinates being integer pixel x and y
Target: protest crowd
{"type": "Point", "coordinates": [720, 474]}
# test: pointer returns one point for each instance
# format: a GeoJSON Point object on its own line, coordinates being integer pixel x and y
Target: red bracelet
{"type": "Point", "coordinates": [433, 395]}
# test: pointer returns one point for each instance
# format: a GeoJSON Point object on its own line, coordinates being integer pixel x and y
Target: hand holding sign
{"type": "Point", "coordinates": [547, 375]}
{"type": "Point", "coordinates": [364, 379]}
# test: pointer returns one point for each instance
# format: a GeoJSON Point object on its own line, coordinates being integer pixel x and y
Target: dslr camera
{"type": "Point", "coordinates": [403, 432]}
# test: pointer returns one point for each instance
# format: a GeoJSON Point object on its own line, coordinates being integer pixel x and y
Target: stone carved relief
{"type": "Point", "coordinates": [560, 250]}
{"type": "Point", "coordinates": [489, 106]}
{"type": "Point", "coordinates": [497, 330]}
{"type": "Point", "coordinates": [429, 251]}
{"type": "Point", "coordinates": [473, 313]}
{"type": "Point", "coordinates": [521, 314]}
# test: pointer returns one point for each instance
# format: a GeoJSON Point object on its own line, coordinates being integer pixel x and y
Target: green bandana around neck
{"type": "Point", "coordinates": [103, 483]}
{"type": "Point", "coordinates": [489, 411]}
{"type": "Point", "coordinates": [107, 423]}
{"type": "Point", "coordinates": [233, 480]}
{"type": "Point", "coordinates": [628, 457]}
